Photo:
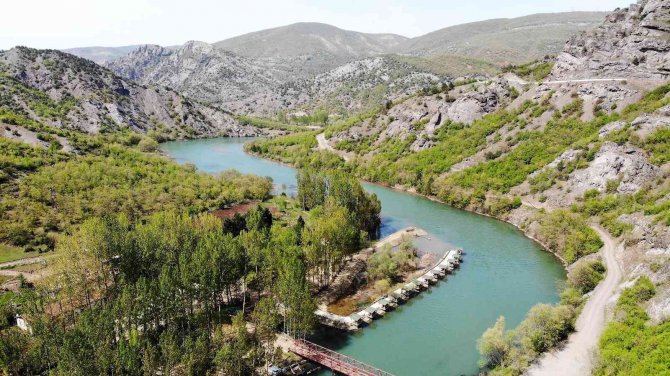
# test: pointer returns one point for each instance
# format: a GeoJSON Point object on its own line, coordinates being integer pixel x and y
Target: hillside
{"type": "Point", "coordinates": [68, 92]}
{"type": "Point", "coordinates": [325, 45]}
{"type": "Point", "coordinates": [503, 41]}
{"type": "Point", "coordinates": [351, 88]}
{"type": "Point", "coordinates": [631, 43]}
{"type": "Point", "coordinates": [198, 70]}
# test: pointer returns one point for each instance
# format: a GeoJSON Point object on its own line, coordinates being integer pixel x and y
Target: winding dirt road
{"type": "Point", "coordinates": [576, 357]}
{"type": "Point", "coordinates": [324, 145]}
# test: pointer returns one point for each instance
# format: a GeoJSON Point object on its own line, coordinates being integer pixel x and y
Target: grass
{"type": "Point", "coordinates": [28, 268]}
{"type": "Point", "coordinates": [9, 253]}
{"type": "Point", "coordinates": [4, 278]}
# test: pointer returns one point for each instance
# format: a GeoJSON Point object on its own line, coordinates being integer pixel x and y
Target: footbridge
{"type": "Point", "coordinates": [333, 360]}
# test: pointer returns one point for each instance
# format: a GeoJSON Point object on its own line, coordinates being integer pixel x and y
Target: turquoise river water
{"type": "Point", "coordinates": [503, 273]}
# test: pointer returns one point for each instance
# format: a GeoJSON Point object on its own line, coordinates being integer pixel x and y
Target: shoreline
{"type": "Point", "coordinates": [404, 189]}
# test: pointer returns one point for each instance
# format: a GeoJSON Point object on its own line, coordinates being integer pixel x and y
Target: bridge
{"type": "Point", "coordinates": [334, 360]}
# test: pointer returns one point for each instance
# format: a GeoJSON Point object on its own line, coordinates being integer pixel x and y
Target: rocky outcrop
{"type": "Point", "coordinates": [632, 43]}
{"type": "Point", "coordinates": [93, 99]}
{"type": "Point", "coordinates": [614, 162]}
{"type": "Point", "coordinates": [475, 104]}
{"type": "Point", "coordinates": [198, 70]}
{"type": "Point", "coordinates": [350, 88]}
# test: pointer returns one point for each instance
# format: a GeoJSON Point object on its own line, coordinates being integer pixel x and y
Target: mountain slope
{"type": "Point", "coordinates": [504, 41]}
{"type": "Point", "coordinates": [92, 99]}
{"type": "Point", "coordinates": [309, 38]}
{"type": "Point", "coordinates": [353, 87]}
{"type": "Point", "coordinates": [198, 70]}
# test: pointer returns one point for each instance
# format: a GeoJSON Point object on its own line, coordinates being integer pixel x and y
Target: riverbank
{"type": "Point", "coordinates": [412, 191]}
{"type": "Point", "coordinates": [505, 274]}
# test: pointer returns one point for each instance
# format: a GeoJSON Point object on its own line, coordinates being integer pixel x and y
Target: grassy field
{"type": "Point", "coordinates": [9, 253]}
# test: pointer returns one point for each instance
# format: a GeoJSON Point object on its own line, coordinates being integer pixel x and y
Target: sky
{"type": "Point", "coordinates": [79, 23]}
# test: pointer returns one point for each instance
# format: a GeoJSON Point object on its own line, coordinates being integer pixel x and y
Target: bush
{"type": "Point", "coordinates": [511, 352]}
{"type": "Point", "coordinates": [567, 234]}
{"type": "Point", "coordinates": [585, 275]}
{"type": "Point", "coordinates": [628, 345]}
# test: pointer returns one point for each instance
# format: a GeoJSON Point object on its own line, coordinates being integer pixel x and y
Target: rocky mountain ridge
{"type": "Point", "coordinates": [296, 66]}
{"type": "Point", "coordinates": [92, 99]}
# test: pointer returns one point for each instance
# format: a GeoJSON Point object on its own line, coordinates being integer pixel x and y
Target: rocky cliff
{"type": "Point", "coordinates": [633, 43]}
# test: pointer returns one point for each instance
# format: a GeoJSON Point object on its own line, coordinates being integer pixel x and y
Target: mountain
{"type": "Point", "coordinates": [263, 86]}
{"type": "Point", "coordinates": [101, 54]}
{"type": "Point", "coordinates": [198, 70]}
{"type": "Point", "coordinates": [325, 45]}
{"type": "Point", "coordinates": [354, 87]}
{"type": "Point", "coordinates": [93, 99]}
{"type": "Point", "coordinates": [503, 41]}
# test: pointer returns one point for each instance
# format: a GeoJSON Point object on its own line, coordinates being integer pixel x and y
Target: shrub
{"type": "Point", "coordinates": [585, 275]}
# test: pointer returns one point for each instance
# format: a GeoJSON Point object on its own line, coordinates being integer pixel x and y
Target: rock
{"type": "Point", "coordinates": [611, 127]}
{"type": "Point", "coordinates": [633, 42]}
{"type": "Point", "coordinates": [615, 162]}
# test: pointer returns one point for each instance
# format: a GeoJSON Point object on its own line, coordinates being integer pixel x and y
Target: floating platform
{"type": "Point", "coordinates": [380, 307]}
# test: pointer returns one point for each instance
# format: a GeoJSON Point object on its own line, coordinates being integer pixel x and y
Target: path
{"type": "Point", "coordinates": [516, 79]}
{"type": "Point", "coordinates": [30, 276]}
{"type": "Point", "coordinates": [324, 145]}
{"type": "Point", "coordinates": [576, 358]}
{"type": "Point", "coordinates": [585, 80]}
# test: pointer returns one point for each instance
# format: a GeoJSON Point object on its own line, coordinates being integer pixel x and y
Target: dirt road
{"type": "Point", "coordinates": [576, 357]}
{"type": "Point", "coordinates": [324, 145]}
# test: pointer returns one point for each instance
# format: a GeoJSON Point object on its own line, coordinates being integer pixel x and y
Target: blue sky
{"type": "Point", "coordinates": [76, 23]}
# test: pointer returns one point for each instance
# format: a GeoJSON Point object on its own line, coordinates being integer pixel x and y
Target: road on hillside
{"type": "Point", "coordinates": [324, 145]}
{"type": "Point", "coordinates": [576, 357]}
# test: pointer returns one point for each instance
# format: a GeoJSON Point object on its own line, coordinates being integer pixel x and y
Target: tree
{"type": "Point", "coordinates": [266, 318]}
{"type": "Point", "coordinates": [495, 345]}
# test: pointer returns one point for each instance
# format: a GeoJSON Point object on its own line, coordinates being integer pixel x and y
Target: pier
{"type": "Point", "coordinates": [334, 360]}
{"type": "Point", "coordinates": [380, 307]}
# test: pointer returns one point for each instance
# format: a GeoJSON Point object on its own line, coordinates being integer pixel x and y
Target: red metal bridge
{"type": "Point", "coordinates": [334, 360]}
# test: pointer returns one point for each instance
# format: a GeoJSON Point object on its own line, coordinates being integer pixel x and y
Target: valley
{"type": "Point", "coordinates": [198, 208]}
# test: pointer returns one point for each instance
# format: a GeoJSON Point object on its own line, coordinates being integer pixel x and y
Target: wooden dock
{"type": "Point", "coordinates": [445, 265]}
{"type": "Point", "coordinates": [333, 360]}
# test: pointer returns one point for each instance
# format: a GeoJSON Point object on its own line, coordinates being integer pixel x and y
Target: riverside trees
{"type": "Point", "coordinates": [342, 217]}
{"type": "Point", "coordinates": [133, 294]}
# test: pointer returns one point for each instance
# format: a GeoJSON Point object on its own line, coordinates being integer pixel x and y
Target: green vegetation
{"type": "Point", "coordinates": [296, 149]}
{"type": "Point", "coordinates": [585, 275]}
{"type": "Point", "coordinates": [629, 344]}
{"type": "Point", "coordinates": [535, 150]}
{"type": "Point", "coordinates": [11, 253]}
{"type": "Point", "coordinates": [268, 123]}
{"type": "Point", "coordinates": [388, 264]}
{"type": "Point", "coordinates": [567, 235]}
{"type": "Point", "coordinates": [533, 71]}
{"type": "Point", "coordinates": [114, 180]}
{"type": "Point", "coordinates": [137, 292]}
{"type": "Point", "coordinates": [609, 207]}
{"type": "Point", "coordinates": [510, 352]}
{"type": "Point", "coordinates": [658, 146]}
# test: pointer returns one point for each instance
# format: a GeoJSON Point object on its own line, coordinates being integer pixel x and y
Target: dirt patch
{"type": "Point", "coordinates": [241, 209]}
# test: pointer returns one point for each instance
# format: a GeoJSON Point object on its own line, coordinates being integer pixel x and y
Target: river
{"type": "Point", "coordinates": [503, 273]}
